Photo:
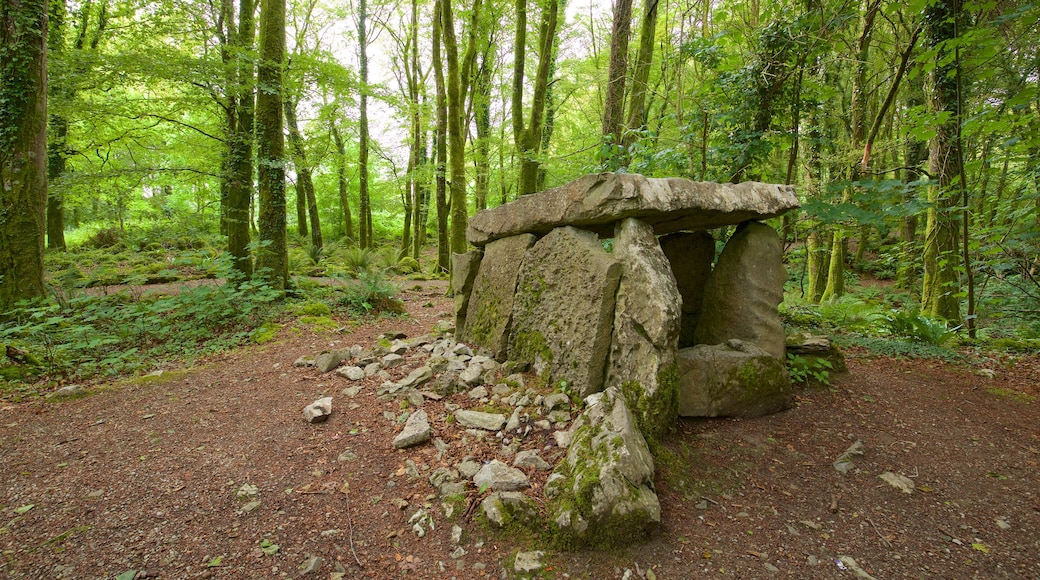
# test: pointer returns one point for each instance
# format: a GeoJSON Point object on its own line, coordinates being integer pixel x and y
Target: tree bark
{"type": "Point", "coordinates": [240, 187]}
{"type": "Point", "coordinates": [272, 257]}
{"type": "Point", "coordinates": [941, 284]}
{"type": "Point", "coordinates": [640, 75]}
{"type": "Point", "coordinates": [365, 204]}
{"type": "Point", "coordinates": [613, 106]}
{"type": "Point", "coordinates": [528, 139]}
{"type": "Point", "coordinates": [304, 181]}
{"type": "Point", "coordinates": [341, 182]}
{"type": "Point", "coordinates": [23, 150]}
{"type": "Point", "coordinates": [440, 145]}
{"type": "Point", "coordinates": [58, 133]}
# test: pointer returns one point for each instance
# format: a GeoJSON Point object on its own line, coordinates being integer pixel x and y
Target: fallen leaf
{"type": "Point", "coordinates": [25, 508]}
{"type": "Point", "coordinates": [979, 546]}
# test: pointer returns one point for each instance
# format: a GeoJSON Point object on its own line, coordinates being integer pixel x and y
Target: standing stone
{"type": "Point", "coordinates": [602, 493]}
{"type": "Point", "coordinates": [597, 202]}
{"type": "Point", "coordinates": [490, 306]}
{"type": "Point", "coordinates": [735, 379]}
{"type": "Point", "coordinates": [690, 255]}
{"type": "Point", "coordinates": [463, 272]}
{"type": "Point", "coordinates": [744, 290]}
{"type": "Point", "coordinates": [646, 329]}
{"type": "Point", "coordinates": [563, 311]}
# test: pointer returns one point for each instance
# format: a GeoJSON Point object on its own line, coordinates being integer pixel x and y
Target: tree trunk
{"type": "Point", "coordinates": [528, 139]}
{"type": "Point", "coordinates": [272, 257]}
{"type": "Point", "coordinates": [836, 272]}
{"type": "Point", "coordinates": [240, 186]}
{"type": "Point", "coordinates": [440, 145]}
{"type": "Point", "coordinates": [364, 205]}
{"type": "Point", "coordinates": [613, 106]}
{"type": "Point", "coordinates": [304, 181]}
{"type": "Point", "coordinates": [59, 130]}
{"type": "Point", "coordinates": [341, 181]}
{"type": "Point", "coordinates": [640, 74]}
{"type": "Point", "coordinates": [23, 150]}
{"type": "Point", "coordinates": [941, 284]}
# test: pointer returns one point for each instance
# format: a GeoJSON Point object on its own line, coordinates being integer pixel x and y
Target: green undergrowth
{"type": "Point", "coordinates": [78, 336]}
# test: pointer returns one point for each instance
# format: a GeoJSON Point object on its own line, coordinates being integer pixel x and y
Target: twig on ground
{"type": "Point", "coordinates": [878, 532]}
{"type": "Point", "coordinates": [350, 524]}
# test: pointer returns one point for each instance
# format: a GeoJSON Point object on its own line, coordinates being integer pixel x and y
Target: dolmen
{"type": "Point", "coordinates": [610, 286]}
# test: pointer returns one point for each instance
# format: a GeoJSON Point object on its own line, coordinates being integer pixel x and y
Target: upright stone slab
{"type": "Point", "coordinates": [564, 308]}
{"type": "Point", "coordinates": [646, 329]}
{"type": "Point", "coordinates": [464, 269]}
{"type": "Point", "coordinates": [597, 202]}
{"type": "Point", "coordinates": [735, 379]}
{"type": "Point", "coordinates": [744, 290]}
{"type": "Point", "coordinates": [490, 306]}
{"type": "Point", "coordinates": [602, 494]}
{"type": "Point", "coordinates": [690, 255]}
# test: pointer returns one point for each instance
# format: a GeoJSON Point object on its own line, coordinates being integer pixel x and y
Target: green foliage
{"type": "Point", "coordinates": [371, 293]}
{"type": "Point", "coordinates": [809, 370]}
{"type": "Point", "coordinates": [89, 336]}
{"type": "Point", "coordinates": [358, 260]}
{"type": "Point", "coordinates": [849, 313]}
{"type": "Point", "coordinates": [897, 348]}
{"type": "Point", "coordinates": [911, 324]}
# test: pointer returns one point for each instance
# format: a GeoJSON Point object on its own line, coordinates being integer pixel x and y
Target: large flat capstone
{"type": "Point", "coordinates": [597, 202]}
{"type": "Point", "coordinates": [563, 309]}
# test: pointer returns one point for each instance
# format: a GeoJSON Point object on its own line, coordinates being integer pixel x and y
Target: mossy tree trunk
{"type": "Point", "coordinates": [617, 71]}
{"type": "Point", "coordinates": [836, 272]}
{"type": "Point", "coordinates": [272, 257]}
{"type": "Point", "coordinates": [23, 149]}
{"type": "Point", "coordinates": [240, 137]}
{"type": "Point", "coordinates": [364, 200]}
{"type": "Point", "coordinates": [440, 146]}
{"type": "Point", "coordinates": [527, 137]}
{"type": "Point", "coordinates": [636, 122]}
{"type": "Point", "coordinates": [940, 296]}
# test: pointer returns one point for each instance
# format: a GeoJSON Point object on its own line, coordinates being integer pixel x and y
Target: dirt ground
{"type": "Point", "coordinates": [143, 476]}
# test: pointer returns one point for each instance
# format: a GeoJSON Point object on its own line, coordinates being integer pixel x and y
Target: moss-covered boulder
{"type": "Point", "coordinates": [735, 379]}
{"type": "Point", "coordinates": [602, 494]}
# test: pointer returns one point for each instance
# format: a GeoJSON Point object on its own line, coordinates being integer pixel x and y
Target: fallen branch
{"type": "Point", "coordinates": [878, 532]}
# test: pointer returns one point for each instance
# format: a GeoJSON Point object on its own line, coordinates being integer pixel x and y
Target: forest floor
{"type": "Point", "coordinates": [142, 475]}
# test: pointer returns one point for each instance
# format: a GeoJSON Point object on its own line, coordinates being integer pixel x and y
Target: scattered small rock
{"type": "Point", "coordinates": [318, 411]}
{"type": "Point", "coordinates": [310, 565]}
{"type": "Point", "coordinates": [530, 458]}
{"type": "Point", "coordinates": [327, 361]}
{"type": "Point", "coordinates": [528, 562]}
{"type": "Point", "coordinates": [844, 463]}
{"type": "Point", "coordinates": [480, 420]}
{"type": "Point", "coordinates": [416, 430]}
{"type": "Point", "coordinates": [900, 482]}
{"type": "Point", "coordinates": [498, 476]}
{"type": "Point", "coordinates": [352, 373]}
